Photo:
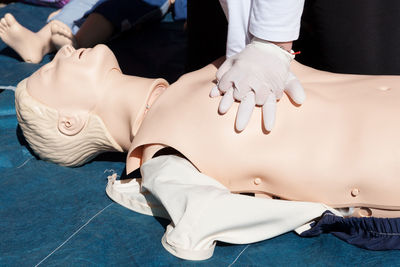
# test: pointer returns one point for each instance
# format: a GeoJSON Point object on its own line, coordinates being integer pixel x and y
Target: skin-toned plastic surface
{"type": "Point", "coordinates": [339, 148]}
{"type": "Point", "coordinates": [78, 82]}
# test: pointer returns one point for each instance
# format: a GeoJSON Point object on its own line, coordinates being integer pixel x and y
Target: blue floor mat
{"type": "Point", "coordinates": [57, 216]}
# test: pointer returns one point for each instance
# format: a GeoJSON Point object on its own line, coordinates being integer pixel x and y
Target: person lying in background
{"type": "Point", "coordinates": [81, 23]}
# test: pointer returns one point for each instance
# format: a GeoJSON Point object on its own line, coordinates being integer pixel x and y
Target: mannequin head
{"type": "Point", "coordinates": [67, 109]}
{"type": "Point", "coordinates": [65, 140]}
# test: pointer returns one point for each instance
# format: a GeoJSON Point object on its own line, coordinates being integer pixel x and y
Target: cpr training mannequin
{"type": "Point", "coordinates": [335, 149]}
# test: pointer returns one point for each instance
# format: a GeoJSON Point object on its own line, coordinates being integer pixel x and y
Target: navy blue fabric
{"type": "Point", "coordinates": [125, 14]}
{"type": "Point", "coordinates": [60, 216]}
{"type": "Point", "coordinates": [154, 51]}
{"type": "Point", "coordinates": [370, 233]}
{"type": "Point", "coordinates": [180, 9]}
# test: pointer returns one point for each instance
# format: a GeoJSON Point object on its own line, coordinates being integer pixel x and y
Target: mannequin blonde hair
{"type": "Point", "coordinates": [39, 124]}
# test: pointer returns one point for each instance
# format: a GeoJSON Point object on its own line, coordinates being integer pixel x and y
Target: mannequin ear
{"type": "Point", "coordinates": [71, 124]}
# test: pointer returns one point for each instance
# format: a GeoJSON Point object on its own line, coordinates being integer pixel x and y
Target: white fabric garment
{"type": "Point", "coordinates": [271, 20]}
{"type": "Point", "coordinates": [203, 211]}
{"type": "Point", "coordinates": [130, 194]}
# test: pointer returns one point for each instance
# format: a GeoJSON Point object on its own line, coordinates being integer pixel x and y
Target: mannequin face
{"type": "Point", "coordinates": [74, 79]}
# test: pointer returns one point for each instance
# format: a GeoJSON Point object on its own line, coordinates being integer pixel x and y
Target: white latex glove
{"type": "Point", "coordinates": [257, 76]}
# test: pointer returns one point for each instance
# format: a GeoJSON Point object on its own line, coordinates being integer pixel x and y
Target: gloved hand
{"type": "Point", "coordinates": [257, 76]}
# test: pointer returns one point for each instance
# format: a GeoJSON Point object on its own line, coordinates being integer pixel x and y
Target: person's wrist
{"type": "Point", "coordinates": [287, 46]}
{"type": "Point", "coordinates": [274, 46]}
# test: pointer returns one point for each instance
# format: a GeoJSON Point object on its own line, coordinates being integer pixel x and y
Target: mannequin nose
{"type": "Point", "coordinates": [67, 50]}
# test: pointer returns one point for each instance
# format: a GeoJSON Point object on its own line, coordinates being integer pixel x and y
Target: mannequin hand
{"type": "Point", "coordinates": [292, 87]}
{"type": "Point", "coordinates": [256, 76]}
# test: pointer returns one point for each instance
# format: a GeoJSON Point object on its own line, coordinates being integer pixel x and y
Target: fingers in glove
{"type": "Point", "coordinates": [245, 111]}
{"type": "Point", "coordinates": [227, 65]}
{"type": "Point", "coordinates": [260, 90]}
{"type": "Point", "coordinates": [226, 101]}
{"type": "Point", "coordinates": [226, 81]}
{"type": "Point", "coordinates": [269, 112]}
{"type": "Point", "coordinates": [215, 92]}
{"type": "Point", "coordinates": [295, 90]}
{"type": "Point", "coordinates": [279, 93]}
{"type": "Point", "coordinates": [241, 86]}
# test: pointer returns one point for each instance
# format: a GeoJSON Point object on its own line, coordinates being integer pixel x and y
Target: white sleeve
{"type": "Point", "coordinates": [237, 14]}
{"type": "Point", "coordinates": [276, 20]}
{"type": "Point", "coordinates": [203, 211]}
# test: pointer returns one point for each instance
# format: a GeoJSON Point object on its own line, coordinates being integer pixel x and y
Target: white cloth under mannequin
{"type": "Point", "coordinates": [272, 20]}
{"type": "Point", "coordinates": [203, 211]}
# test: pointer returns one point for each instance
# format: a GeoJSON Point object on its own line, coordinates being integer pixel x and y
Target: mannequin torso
{"type": "Point", "coordinates": [340, 148]}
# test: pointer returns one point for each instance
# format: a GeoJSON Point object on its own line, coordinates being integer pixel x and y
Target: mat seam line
{"type": "Point", "coordinates": [77, 231]}
{"type": "Point", "coordinates": [239, 255]}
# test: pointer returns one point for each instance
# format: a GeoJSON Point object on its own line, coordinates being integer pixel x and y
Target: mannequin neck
{"type": "Point", "coordinates": [124, 103]}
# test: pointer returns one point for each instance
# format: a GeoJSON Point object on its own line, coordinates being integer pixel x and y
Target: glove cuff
{"type": "Point", "coordinates": [271, 47]}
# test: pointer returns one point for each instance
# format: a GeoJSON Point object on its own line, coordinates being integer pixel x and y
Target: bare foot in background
{"type": "Point", "coordinates": [29, 45]}
{"type": "Point", "coordinates": [61, 35]}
